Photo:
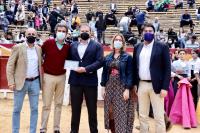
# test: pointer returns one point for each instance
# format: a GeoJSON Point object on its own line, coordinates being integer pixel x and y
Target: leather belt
{"type": "Point", "coordinates": [149, 81]}
{"type": "Point", "coordinates": [32, 79]}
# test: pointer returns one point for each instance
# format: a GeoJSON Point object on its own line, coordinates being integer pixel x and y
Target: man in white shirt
{"type": "Point", "coordinates": [24, 76]}
{"type": "Point", "coordinates": [151, 71]}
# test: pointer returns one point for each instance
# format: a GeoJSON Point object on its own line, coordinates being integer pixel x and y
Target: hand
{"type": "Point", "coordinates": [103, 92]}
{"type": "Point", "coordinates": [163, 93]}
{"type": "Point", "coordinates": [198, 80]}
{"type": "Point", "coordinates": [12, 87]}
{"type": "Point", "coordinates": [135, 90]}
{"type": "Point", "coordinates": [126, 94]}
{"type": "Point", "coordinates": [80, 70]}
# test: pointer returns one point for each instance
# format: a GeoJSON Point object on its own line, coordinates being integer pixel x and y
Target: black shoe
{"type": "Point", "coordinates": [56, 131]}
{"type": "Point", "coordinates": [168, 126]}
{"type": "Point", "coordinates": [42, 132]}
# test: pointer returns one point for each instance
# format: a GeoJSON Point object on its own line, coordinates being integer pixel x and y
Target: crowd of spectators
{"type": "Point", "coordinates": [45, 16]}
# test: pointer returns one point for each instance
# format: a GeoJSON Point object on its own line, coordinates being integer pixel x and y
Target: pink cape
{"type": "Point", "coordinates": [183, 110]}
{"type": "Point", "coordinates": [169, 99]}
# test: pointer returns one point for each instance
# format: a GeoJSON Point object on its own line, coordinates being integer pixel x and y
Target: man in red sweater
{"type": "Point", "coordinates": [55, 52]}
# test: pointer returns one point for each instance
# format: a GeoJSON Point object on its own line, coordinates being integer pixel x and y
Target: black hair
{"type": "Point", "coordinates": [148, 25]}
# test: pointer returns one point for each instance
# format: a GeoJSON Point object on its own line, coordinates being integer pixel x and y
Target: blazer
{"type": "Point", "coordinates": [92, 61]}
{"type": "Point", "coordinates": [125, 70]}
{"type": "Point", "coordinates": [160, 66]}
{"type": "Point", "coordinates": [17, 65]}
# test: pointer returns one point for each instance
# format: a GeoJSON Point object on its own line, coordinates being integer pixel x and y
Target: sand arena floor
{"type": "Point", "coordinates": [6, 107]}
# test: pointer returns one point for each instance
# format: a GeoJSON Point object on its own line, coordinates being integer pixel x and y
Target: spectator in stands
{"type": "Point", "coordinates": [89, 14]}
{"type": "Point", "coordinates": [24, 75]}
{"type": "Point", "coordinates": [191, 4]}
{"type": "Point", "coordinates": [4, 23]}
{"type": "Point", "coordinates": [37, 22]}
{"type": "Point", "coordinates": [113, 7]}
{"type": "Point", "coordinates": [193, 79]}
{"type": "Point", "coordinates": [74, 9]}
{"type": "Point", "coordinates": [130, 37]}
{"type": "Point", "coordinates": [7, 39]}
{"type": "Point", "coordinates": [48, 2]}
{"type": "Point", "coordinates": [39, 9]}
{"type": "Point", "coordinates": [43, 25]}
{"type": "Point", "coordinates": [129, 11]}
{"type": "Point", "coordinates": [186, 19]}
{"type": "Point", "coordinates": [110, 19]}
{"type": "Point", "coordinates": [101, 27]}
{"type": "Point", "coordinates": [93, 28]}
{"type": "Point", "coordinates": [55, 51]}
{"type": "Point", "coordinates": [76, 22]}
{"type": "Point", "coordinates": [161, 36]}
{"type": "Point", "coordinates": [20, 38]}
{"type": "Point", "coordinates": [75, 34]}
{"type": "Point", "coordinates": [140, 18]}
{"type": "Point", "coordinates": [172, 35]}
{"type": "Point", "coordinates": [31, 20]}
{"type": "Point", "coordinates": [12, 6]}
{"type": "Point", "coordinates": [178, 4]}
{"type": "Point", "coordinates": [182, 38]}
{"type": "Point", "coordinates": [45, 10]}
{"type": "Point", "coordinates": [9, 15]}
{"type": "Point", "coordinates": [198, 13]}
{"type": "Point", "coordinates": [150, 5]}
{"type": "Point", "coordinates": [20, 17]}
{"type": "Point", "coordinates": [38, 40]}
{"type": "Point", "coordinates": [125, 23]}
{"type": "Point", "coordinates": [35, 8]}
{"type": "Point", "coordinates": [192, 43]}
{"type": "Point", "coordinates": [156, 24]}
{"type": "Point", "coordinates": [53, 19]}
{"type": "Point", "coordinates": [29, 5]}
{"type": "Point", "coordinates": [99, 12]}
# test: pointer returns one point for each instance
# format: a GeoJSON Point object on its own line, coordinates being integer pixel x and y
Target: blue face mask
{"type": "Point", "coordinates": [148, 36]}
{"type": "Point", "coordinates": [118, 44]}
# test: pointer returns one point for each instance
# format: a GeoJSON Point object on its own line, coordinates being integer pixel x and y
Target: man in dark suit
{"type": "Point", "coordinates": [152, 70]}
{"type": "Point", "coordinates": [83, 80]}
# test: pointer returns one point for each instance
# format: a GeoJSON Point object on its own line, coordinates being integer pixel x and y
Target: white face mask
{"type": "Point", "coordinates": [117, 44]}
{"type": "Point", "coordinates": [60, 35]}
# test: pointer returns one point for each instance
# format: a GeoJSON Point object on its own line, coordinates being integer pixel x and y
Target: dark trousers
{"type": "Point", "coordinates": [90, 95]}
{"type": "Point", "coordinates": [183, 23]}
{"type": "Point", "coordinates": [139, 26]}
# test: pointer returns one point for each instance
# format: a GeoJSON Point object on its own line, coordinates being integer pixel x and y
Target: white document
{"type": "Point", "coordinates": [71, 65]}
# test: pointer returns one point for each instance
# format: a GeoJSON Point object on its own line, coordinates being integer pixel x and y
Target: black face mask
{"type": "Point", "coordinates": [30, 39]}
{"type": "Point", "coordinates": [85, 36]}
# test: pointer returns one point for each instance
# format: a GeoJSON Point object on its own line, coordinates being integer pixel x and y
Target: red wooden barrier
{"type": "Point", "coordinates": [3, 80]}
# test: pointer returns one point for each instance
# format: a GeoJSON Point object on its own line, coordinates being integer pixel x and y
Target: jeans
{"type": "Point", "coordinates": [33, 90]}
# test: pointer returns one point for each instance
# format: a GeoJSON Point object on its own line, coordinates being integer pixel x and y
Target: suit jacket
{"type": "Point", "coordinates": [92, 61]}
{"type": "Point", "coordinates": [160, 66]}
{"type": "Point", "coordinates": [17, 65]}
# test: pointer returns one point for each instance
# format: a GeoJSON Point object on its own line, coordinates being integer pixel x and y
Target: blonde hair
{"type": "Point", "coordinates": [123, 41]}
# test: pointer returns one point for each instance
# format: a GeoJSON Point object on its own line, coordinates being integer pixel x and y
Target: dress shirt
{"type": "Point", "coordinates": [182, 66]}
{"type": "Point", "coordinates": [32, 63]}
{"type": "Point", "coordinates": [82, 48]}
{"type": "Point", "coordinates": [144, 62]}
{"type": "Point", "coordinates": [192, 65]}
{"type": "Point", "coordinates": [197, 66]}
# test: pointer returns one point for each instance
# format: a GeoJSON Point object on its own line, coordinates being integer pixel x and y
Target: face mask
{"type": "Point", "coordinates": [60, 35]}
{"type": "Point", "coordinates": [148, 36]}
{"type": "Point", "coordinates": [117, 44]}
{"type": "Point", "coordinates": [30, 39]}
{"type": "Point", "coordinates": [85, 36]}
